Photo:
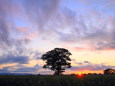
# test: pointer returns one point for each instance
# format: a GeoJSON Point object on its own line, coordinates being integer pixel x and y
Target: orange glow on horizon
{"type": "Point", "coordinates": [87, 71]}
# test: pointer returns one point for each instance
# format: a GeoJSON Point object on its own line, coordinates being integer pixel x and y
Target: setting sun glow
{"type": "Point", "coordinates": [80, 75]}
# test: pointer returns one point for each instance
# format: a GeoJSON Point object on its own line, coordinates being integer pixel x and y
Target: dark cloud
{"type": "Point", "coordinates": [14, 59]}
{"type": "Point", "coordinates": [4, 70]}
{"type": "Point", "coordinates": [20, 56]}
{"type": "Point", "coordinates": [28, 69]}
{"type": "Point", "coordinates": [86, 62]}
{"type": "Point", "coordinates": [79, 63]}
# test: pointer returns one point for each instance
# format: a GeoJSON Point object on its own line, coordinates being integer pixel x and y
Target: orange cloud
{"type": "Point", "coordinates": [31, 36]}
{"type": "Point", "coordinates": [22, 29]}
{"type": "Point", "coordinates": [80, 49]}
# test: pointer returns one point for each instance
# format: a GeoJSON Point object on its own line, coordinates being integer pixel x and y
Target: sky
{"type": "Point", "coordinates": [30, 28]}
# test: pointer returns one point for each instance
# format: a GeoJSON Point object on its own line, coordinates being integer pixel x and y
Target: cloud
{"type": "Point", "coordinates": [81, 63]}
{"type": "Point", "coordinates": [40, 12]}
{"type": "Point", "coordinates": [67, 26]}
{"type": "Point", "coordinates": [28, 69]}
{"type": "Point", "coordinates": [91, 67]}
{"type": "Point", "coordinates": [8, 34]}
{"type": "Point", "coordinates": [20, 56]}
{"type": "Point", "coordinates": [36, 13]}
{"type": "Point", "coordinates": [14, 36]}
{"type": "Point", "coordinates": [20, 69]}
{"type": "Point", "coordinates": [36, 69]}
{"type": "Point", "coordinates": [21, 21]}
{"type": "Point", "coordinates": [14, 59]}
{"type": "Point", "coordinates": [22, 29]}
{"type": "Point", "coordinates": [86, 62]}
{"type": "Point", "coordinates": [4, 27]}
{"type": "Point", "coordinates": [95, 34]}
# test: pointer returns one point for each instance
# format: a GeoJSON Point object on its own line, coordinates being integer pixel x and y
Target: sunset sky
{"type": "Point", "coordinates": [29, 28]}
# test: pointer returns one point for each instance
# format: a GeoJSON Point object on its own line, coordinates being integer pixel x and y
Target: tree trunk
{"type": "Point", "coordinates": [57, 72]}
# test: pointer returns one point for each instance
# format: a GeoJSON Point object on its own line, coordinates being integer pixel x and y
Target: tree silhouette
{"type": "Point", "coordinates": [57, 60]}
{"type": "Point", "coordinates": [109, 71]}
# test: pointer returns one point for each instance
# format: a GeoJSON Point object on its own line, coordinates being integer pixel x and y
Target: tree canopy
{"type": "Point", "coordinates": [57, 60]}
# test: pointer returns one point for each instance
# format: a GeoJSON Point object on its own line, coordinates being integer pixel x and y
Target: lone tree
{"type": "Point", "coordinates": [57, 60]}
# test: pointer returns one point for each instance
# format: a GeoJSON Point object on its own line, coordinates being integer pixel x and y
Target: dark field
{"type": "Point", "coordinates": [61, 80]}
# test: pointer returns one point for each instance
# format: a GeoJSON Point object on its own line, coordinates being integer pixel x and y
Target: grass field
{"type": "Point", "coordinates": [62, 80]}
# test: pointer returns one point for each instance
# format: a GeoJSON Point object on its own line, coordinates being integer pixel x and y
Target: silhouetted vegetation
{"type": "Point", "coordinates": [57, 60]}
{"type": "Point", "coordinates": [60, 80]}
{"type": "Point", "coordinates": [109, 71]}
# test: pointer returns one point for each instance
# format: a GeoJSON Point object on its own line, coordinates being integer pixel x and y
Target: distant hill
{"type": "Point", "coordinates": [17, 74]}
